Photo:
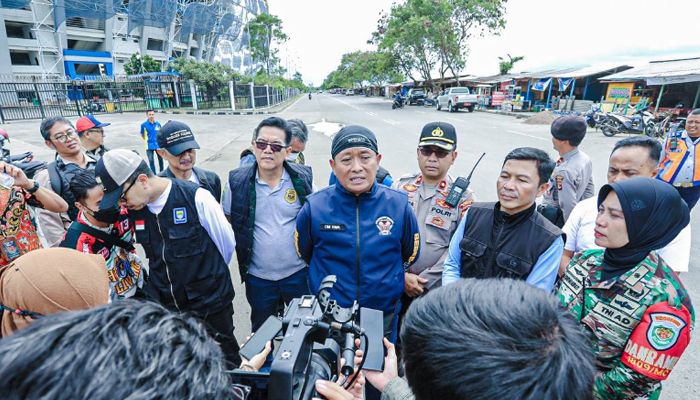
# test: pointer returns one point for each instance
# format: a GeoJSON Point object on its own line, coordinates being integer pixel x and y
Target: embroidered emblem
{"type": "Point", "coordinates": [180, 215]}
{"type": "Point", "coordinates": [384, 224]}
{"type": "Point", "coordinates": [290, 196]}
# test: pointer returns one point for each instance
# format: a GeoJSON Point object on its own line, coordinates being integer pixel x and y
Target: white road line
{"type": "Point", "coordinates": [371, 113]}
{"type": "Point", "coordinates": [530, 136]}
{"type": "Point", "coordinates": [391, 122]}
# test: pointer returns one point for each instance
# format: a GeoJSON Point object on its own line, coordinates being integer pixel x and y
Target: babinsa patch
{"type": "Point", "coordinates": [384, 224]}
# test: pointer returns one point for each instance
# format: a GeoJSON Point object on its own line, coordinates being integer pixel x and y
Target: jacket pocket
{"type": "Point", "coordinates": [185, 242]}
{"type": "Point", "coordinates": [512, 267]}
{"type": "Point", "coordinates": [472, 247]}
{"type": "Point", "coordinates": [197, 291]}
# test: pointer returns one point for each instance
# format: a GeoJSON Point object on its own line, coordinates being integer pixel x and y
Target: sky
{"type": "Point", "coordinates": [549, 33]}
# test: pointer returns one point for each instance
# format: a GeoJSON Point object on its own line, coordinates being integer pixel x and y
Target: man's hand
{"type": "Point", "coordinates": [413, 284]}
{"type": "Point", "coordinates": [258, 360]}
{"type": "Point", "coordinates": [391, 367]}
{"type": "Point", "coordinates": [21, 179]}
{"type": "Point", "coordinates": [332, 391]}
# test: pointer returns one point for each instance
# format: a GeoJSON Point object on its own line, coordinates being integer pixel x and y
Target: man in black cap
{"type": "Point", "coordinates": [572, 179]}
{"type": "Point", "coordinates": [177, 146]}
{"type": "Point", "coordinates": [427, 193]}
{"type": "Point", "coordinates": [186, 238]}
{"type": "Point", "coordinates": [360, 231]}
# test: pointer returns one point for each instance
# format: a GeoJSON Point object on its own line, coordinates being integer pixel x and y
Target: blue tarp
{"type": "Point", "coordinates": [542, 84]}
{"type": "Point", "coordinates": [564, 83]}
{"type": "Point", "coordinates": [154, 13]}
{"type": "Point", "coordinates": [16, 4]}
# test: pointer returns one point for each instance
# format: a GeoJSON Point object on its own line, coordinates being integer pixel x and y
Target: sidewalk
{"type": "Point", "coordinates": [277, 108]}
{"type": "Point", "coordinates": [520, 114]}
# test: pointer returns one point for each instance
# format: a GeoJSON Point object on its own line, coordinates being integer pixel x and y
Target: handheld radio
{"type": "Point", "coordinates": [460, 185]}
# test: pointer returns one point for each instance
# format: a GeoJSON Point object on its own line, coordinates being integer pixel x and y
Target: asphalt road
{"type": "Point", "coordinates": [222, 138]}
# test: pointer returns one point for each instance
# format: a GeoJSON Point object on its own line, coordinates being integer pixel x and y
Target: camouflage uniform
{"type": "Point", "coordinates": [620, 319]}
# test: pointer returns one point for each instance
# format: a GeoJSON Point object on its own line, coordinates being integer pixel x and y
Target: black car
{"type": "Point", "coordinates": [415, 96]}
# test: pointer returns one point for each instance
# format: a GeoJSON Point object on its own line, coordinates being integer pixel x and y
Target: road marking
{"type": "Point", "coordinates": [371, 113]}
{"type": "Point", "coordinates": [391, 122]}
{"type": "Point", "coordinates": [348, 104]}
{"type": "Point", "coordinates": [526, 135]}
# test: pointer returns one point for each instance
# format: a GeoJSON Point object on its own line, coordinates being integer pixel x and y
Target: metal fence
{"type": "Point", "coordinates": [33, 98]}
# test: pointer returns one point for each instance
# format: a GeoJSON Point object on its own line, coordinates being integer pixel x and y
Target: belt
{"type": "Point", "coordinates": [684, 184]}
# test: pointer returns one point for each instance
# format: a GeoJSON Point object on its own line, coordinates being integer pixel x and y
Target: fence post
{"type": "Point", "coordinates": [267, 94]}
{"type": "Point", "coordinates": [193, 92]}
{"type": "Point", "coordinates": [38, 97]}
{"type": "Point", "coordinates": [252, 95]}
{"type": "Point", "coordinates": [232, 95]}
{"type": "Point", "coordinates": [176, 93]}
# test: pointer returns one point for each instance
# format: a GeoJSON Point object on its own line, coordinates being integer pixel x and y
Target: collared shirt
{"type": "Point", "coordinates": [437, 222]}
{"type": "Point", "coordinates": [149, 133]}
{"type": "Point", "coordinates": [54, 225]}
{"type": "Point", "coordinates": [580, 236]}
{"type": "Point", "coordinates": [211, 217]}
{"type": "Point", "coordinates": [678, 165]}
{"type": "Point", "coordinates": [274, 254]}
{"type": "Point", "coordinates": [543, 274]}
{"type": "Point", "coordinates": [571, 181]}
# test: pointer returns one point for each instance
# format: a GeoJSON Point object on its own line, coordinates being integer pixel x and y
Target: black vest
{"type": "Point", "coordinates": [208, 180]}
{"type": "Point", "coordinates": [498, 245]}
{"type": "Point", "coordinates": [186, 269]}
{"type": "Point", "coordinates": [242, 212]}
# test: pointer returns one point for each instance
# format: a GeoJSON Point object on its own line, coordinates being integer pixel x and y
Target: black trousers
{"type": "Point", "coordinates": [220, 327]}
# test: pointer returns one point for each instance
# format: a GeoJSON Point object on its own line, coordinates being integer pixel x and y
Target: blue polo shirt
{"type": "Point", "coordinates": [149, 133]}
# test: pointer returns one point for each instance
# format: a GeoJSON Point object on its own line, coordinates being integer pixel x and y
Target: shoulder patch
{"type": "Point", "coordinates": [658, 341]}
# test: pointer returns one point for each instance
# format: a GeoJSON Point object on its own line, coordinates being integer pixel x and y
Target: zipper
{"type": "Point", "coordinates": [498, 237]}
{"type": "Point", "coordinates": [357, 248]}
{"type": "Point", "coordinates": [167, 270]}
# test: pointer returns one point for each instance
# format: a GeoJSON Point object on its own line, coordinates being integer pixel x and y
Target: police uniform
{"type": "Point", "coordinates": [638, 324]}
{"type": "Point", "coordinates": [572, 178]}
{"type": "Point", "coordinates": [437, 220]}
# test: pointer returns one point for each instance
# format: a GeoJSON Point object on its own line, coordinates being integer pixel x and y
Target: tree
{"type": "Point", "coordinates": [504, 66]}
{"type": "Point", "coordinates": [265, 32]}
{"type": "Point", "coordinates": [139, 65]}
{"type": "Point", "coordinates": [429, 35]}
{"type": "Point", "coordinates": [213, 77]}
{"type": "Point", "coordinates": [359, 67]}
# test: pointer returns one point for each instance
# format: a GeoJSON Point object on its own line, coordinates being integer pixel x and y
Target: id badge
{"type": "Point", "coordinates": [10, 249]}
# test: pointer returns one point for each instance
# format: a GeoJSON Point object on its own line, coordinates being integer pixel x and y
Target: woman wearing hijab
{"type": "Point", "coordinates": [49, 281]}
{"type": "Point", "coordinates": [633, 306]}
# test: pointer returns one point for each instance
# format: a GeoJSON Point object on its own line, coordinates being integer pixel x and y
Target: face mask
{"type": "Point", "coordinates": [292, 157]}
{"type": "Point", "coordinates": [108, 216]}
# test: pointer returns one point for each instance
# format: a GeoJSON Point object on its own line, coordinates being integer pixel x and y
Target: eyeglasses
{"type": "Point", "coordinates": [63, 136]}
{"type": "Point", "coordinates": [123, 196]}
{"type": "Point", "coordinates": [428, 151]}
{"type": "Point", "coordinates": [262, 145]}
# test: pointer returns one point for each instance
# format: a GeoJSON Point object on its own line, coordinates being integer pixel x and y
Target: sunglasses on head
{"type": "Point", "coordinates": [276, 147]}
{"type": "Point", "coordinates": [427, 151]}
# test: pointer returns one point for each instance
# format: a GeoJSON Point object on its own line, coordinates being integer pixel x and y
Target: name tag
{"type": "Point", "coordinates": [333, 227]}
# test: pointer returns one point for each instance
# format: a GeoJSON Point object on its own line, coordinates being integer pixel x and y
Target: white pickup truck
{"type": "Point", "coordinates": [455, 98]}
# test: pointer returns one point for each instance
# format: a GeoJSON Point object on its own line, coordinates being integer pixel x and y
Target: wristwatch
{"type": "Point", "coordinates": [34, 188]}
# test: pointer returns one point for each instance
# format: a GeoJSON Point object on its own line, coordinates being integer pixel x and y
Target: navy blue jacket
{"type": "Point", "coordinates": [369, 262]}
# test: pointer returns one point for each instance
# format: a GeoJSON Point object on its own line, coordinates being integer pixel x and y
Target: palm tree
{"type": "Point", "coordinates": [505, 66]}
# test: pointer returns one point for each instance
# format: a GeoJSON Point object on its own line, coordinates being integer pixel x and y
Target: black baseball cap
{"type": "Point", "coordinates": [440, 134]}
{"type": "Point", "coordinates": [176, 137]}
{"type": "Point", "coordinates": [569, 127]}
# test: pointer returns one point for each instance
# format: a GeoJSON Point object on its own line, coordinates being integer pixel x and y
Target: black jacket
{"type": "Point", "coordinates": [242, 212]}
{"type": "Point", "coordinates": [208, 180]}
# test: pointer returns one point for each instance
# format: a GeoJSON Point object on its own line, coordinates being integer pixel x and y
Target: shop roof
{"type": "Point", "coordinates": [590, 71]}
{"type": "Point", "coordinates": [661, 72]}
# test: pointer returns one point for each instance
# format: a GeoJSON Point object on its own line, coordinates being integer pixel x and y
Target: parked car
{"type": "Point", "coordinates": [415, 96]}
{"type": "Point", "coordinates": [349, 92]}
{"type": "Point", "coordinates": [456, 98]}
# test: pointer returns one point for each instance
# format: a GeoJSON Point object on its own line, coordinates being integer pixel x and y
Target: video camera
{"type": "Point", "coordinates": [316, 332]}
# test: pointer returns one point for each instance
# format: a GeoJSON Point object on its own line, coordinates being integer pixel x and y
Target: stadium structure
{"type": "Point", "coordinates": [83, 39]}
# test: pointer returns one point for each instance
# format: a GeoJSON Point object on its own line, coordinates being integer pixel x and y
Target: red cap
{"type": "Point", "coordinates": [88, 122]}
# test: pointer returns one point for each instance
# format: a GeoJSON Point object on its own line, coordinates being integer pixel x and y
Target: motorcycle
{"type": "Point", "coordinates": [309, 96]}
{"type": "Point", "coordinates": [24, 161]}
{"type": "Point", "coordinates": [594, 116]}
{"type": "Point", "coordinates": [92, 107]}
{"type": "Point", "coordinates": [398, 103]}
{"type": "Point", "coordinates": [641, 122]}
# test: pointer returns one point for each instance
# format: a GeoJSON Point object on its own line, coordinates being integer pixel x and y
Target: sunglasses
{"type": "Point", "coordinates": [428, 151]}
{"type": "Point", "coordinates": [276, 147]}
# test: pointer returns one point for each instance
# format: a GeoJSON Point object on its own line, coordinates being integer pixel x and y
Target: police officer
{"type": "Point", "coordinates": [177, 146]}
{"type": "Point", "coordinates": [185, 236]}
{"type": "Point", "coordinates": [427, 192]}
{"type": "Point", "coordinates": [679, 162]}
{"type": "Point", "coordinates": [572, 179]}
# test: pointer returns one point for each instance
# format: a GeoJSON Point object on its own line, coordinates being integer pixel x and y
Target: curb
{"type": "Point", "coordinates": [231, 112]}
{"type": "Point", "coordinates": [508, 113]}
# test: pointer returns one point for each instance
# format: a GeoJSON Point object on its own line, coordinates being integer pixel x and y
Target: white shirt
{"type": "Point", "coordinates": [211, 217]}
{"type": "Point", "coordinates": [580, 236]}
